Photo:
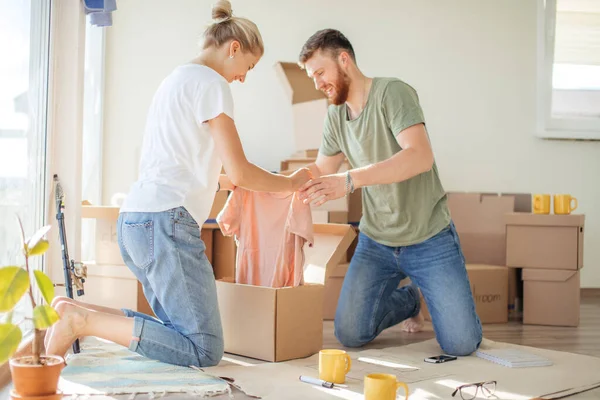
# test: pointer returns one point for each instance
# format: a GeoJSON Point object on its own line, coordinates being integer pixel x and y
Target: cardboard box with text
{"type": "Point", "coordinates": [489, 286]}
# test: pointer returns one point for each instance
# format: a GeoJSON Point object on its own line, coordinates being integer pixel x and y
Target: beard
{"type": "Point", "coordinates": [341, 87]}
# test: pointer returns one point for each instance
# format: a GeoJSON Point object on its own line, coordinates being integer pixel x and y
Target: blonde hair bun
{"type": "Point", "coordinates": [222, 11]}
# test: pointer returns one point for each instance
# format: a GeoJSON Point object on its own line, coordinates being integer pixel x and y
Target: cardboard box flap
{"type": "Point", "coordinates": [478, 212]}
{"type": "Point", "coordinates": [547, 275]}
{"type": "Point", "coordinates": [339, 271]}
{"type": "Point", "coordinates": [296, 83]}
{"type": "Point", "coordinates": [100, 212]}
{"type": "Point", "coordinates": [331, 243]}
{"type": "Point", "coordinates": [519, 218]}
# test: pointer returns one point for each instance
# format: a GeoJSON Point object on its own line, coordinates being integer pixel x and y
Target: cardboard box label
{"type": "Point", "coordinates": [489, 286]}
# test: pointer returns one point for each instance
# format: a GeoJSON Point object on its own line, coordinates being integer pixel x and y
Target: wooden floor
{"type": "Point", "coordinates": [584, 339]}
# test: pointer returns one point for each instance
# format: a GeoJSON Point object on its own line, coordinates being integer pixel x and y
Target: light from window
{"type": "Point", "coordinates": [576, 77]}
{"type": "Point", "coordinates": [23, 82]}
{"type": "Point", "coordinates": [576, 66]}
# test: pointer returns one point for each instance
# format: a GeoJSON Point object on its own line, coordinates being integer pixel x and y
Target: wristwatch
{"type": "Point", "coordinates": [349, 183]}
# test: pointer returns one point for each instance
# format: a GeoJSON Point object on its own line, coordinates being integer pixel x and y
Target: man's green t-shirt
{"type": "Point", "coordinates": [398, 214]}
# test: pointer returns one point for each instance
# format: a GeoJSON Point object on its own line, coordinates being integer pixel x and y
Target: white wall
{"type": "Point", "coordinates": [472, 62]}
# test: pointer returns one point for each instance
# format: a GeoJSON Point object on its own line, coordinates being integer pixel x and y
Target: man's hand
{"type": "Point", "coordinates": [300, 178]}
{"type": "Point", "coordinates": [320, 190]}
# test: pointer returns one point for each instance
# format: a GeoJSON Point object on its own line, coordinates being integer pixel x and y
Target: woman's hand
{"type": "Point", "coordinates": [300, 177]}
{"type": "Point", "coordinates": [225, 183]}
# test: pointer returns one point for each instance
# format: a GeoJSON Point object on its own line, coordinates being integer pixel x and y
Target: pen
{"type": "Point", "coordinates": [316, 381]}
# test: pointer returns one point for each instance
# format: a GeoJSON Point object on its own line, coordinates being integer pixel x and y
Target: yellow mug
{"type": "Point", "coordinates": [541, 204]}
{"type": "Point", "coordinates": [563, 203]}
{"type": "Point", "coordinates": [383, 387]}
{"type": "Point", "coordinates": [334, 365]}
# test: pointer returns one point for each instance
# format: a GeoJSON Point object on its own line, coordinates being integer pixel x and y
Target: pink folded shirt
{"type": "Point", "coordinates": [270, 230]}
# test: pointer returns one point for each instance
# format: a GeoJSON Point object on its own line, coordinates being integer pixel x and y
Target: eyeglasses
{"type": "Point", "coordinates": [469, 391]}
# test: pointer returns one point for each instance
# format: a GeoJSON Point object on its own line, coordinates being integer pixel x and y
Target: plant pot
{"type": "Point", "coordinates": [31, 380]}
{"type": "Point", "coordinates": [56, 396]}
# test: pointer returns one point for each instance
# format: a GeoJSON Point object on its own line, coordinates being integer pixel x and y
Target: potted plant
{"type": "Point", "coordinates": [34, 376]}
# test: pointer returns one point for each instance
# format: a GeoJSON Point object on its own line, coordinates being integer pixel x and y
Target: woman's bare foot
{"type": "Point", "coordinates": [414, 324]}
{"type": "Point", "coordinates": [70, 326]}
{"type": "Point", "coordinates": [55, 301]}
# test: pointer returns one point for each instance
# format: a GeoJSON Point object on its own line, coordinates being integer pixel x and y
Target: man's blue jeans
{"type": "Point", "coordinates": [370, 300]}
{"type": "Point", "coordinates": [166, 254]}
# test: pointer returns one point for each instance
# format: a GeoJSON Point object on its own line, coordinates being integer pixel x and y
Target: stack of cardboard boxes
{"type": "Point", "coordinates": [549, 249]}
{"type": "Point", "coordinates": [499, 237]}
{"type": "Point", "coordinates": [108, 274]}
{"type": "Point", "coordinates": [479, 222]}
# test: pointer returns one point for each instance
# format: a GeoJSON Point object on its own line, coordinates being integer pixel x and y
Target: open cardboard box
{"type": "Point", "coordinates": [309, 105]}
{"type": "Point", "coordinates": [279, 324]}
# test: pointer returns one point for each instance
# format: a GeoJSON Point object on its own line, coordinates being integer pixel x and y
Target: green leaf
{"type": "Point", "coordinates": [35, 239]}
{"type": "Point", "coordinates": [14, 283]}
{"type": "Point", "coordinates": [45, 285]}
{"type": "Point", "coordinates": [10, 338]}
{"type": "Point", "coordinates": [44, 317]}
{"type": "Point", "coordinates": [39, 249]}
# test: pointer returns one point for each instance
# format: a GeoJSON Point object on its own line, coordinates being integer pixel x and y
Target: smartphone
{"type": "Point", "coordinates": [440, 359]}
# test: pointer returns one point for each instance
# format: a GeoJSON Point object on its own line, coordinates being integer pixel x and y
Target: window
{"type": "Point", "coordinates": [569, 69]}
{"type": "Point", "coordinates": [24, 35]}
{"type": "Point", "coordinates": [91, 168]}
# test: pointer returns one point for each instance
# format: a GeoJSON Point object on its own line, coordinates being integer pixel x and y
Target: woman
{"type": "Point", "coordinates": [190, 134]}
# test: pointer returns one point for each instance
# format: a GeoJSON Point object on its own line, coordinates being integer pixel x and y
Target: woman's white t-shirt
{"type": "Point", "coordinates": [179, 165]}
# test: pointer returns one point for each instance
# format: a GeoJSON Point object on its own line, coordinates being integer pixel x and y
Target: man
{"type": "Point", "coordinates": [406, 228]}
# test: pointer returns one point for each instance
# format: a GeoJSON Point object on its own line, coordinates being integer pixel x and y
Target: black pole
{"type": "Point", "coordinates": [67, 265]}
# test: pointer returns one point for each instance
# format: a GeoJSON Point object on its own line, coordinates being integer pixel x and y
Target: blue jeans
{"type": "Point", "coordinates": [166, 254]}
{"type": "Point", "coordinates": [370, 300]}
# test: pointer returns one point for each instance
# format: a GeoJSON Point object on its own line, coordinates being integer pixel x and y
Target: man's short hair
{"type": "Point", "coordinates": [327, 40]}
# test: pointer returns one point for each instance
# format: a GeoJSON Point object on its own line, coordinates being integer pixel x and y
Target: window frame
{"type": "Point", "coordinates": [549, 127]}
